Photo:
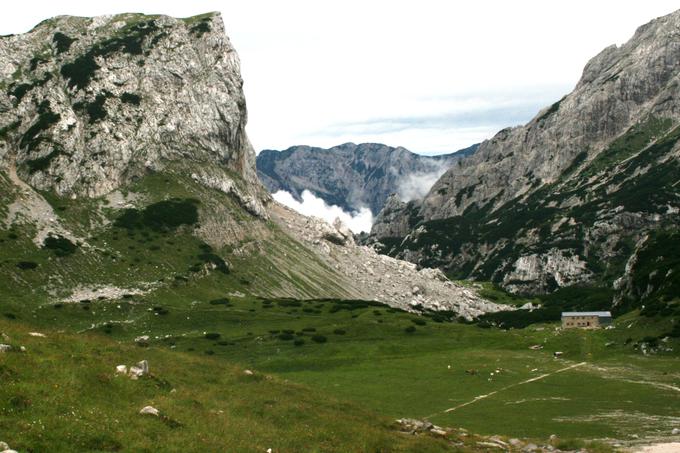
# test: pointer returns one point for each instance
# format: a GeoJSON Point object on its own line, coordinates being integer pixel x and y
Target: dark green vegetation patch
{"type": "Point", "coordinates": [46, 118]}
{"type": "Point", "coordinates": [95, 110]}
{"type": "Point", "coordinates": [164, 215]}
{"type": "Point", "coordinates": [60, 245]}
{"type": "Point", "coordinates": [130, 98]}
{"type": "Point", "coordinates": [62, 42]}
{"type": "Point", "coordinates": [201, 28]}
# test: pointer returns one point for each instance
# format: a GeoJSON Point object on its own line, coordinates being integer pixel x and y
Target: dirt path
{"type": "Point", "coordinates": [671, 447]}
{"type": "Point", "coordinates": [534, 379]}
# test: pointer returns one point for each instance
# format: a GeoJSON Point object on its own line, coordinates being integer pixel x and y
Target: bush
{"type": "Point", "coordinates": [419, 322]}
{"type": "Point", "coordinates": [62, 42]}
{"type": "Point", "coordinates": [222, 301]}
{"type": "Point", "coordinates": [286, 337]}
{"type": "Point", "coordinates": [339, 332]}
{"type": "Point", "coordinates": [26, 265]}
{"type": "Point", "coordinates": [309, 329]}
{"type": "Point", "coordinates": [212, 335]}
{"type": "Point", "coordinates": [319, 338]}
{"type": "Point", "coordinates": [161, 216]}
{"type": "Point", "coordinates": [410, 329]}
{"type": "Point", "coordinates": [60, 245]}
{"type": "Point", "coordinates": [130, 98]}
{"type": "Point", "coordinates": [299, 342]}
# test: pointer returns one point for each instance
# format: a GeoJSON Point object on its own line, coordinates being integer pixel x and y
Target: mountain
{"type": "Point", "coordinates": [353, 176]}
{"type": "Point", "coordinates": [125, 169]}
{"type": "Point", "coordinates": [579, 196]}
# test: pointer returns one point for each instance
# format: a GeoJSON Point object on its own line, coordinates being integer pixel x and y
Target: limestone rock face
{"type": "Point", "coordinates": [89, 104]}
{"type": "Point", "coordinates": [618, 88]}
{"type": "Point", "coordinates": [561, 200]}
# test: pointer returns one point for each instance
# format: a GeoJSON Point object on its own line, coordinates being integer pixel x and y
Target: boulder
{"type": "Point", "coordinates": [413, 425]}
{"type": "Point", "coordinates": [248, 373]}
{"type": "Point", "coordinates": [5, 348]}
{"type": "Point", "coordinates": [150, 410]}
{"type": "Point", "coordinates": [139, 370]}
{"type": "Point", "coordinates": [3, 446]}
{"type": "Point", "coordinates": [676, 431]}
{"type": "Point", "coordinates": [121, 369]}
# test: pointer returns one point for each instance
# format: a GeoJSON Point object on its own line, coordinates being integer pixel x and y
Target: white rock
{"type": "Point", "coordinates": [37, 334]}
{"type": "Point", "coordinates": [675, 431]}
{"type": "Point", "coordinates": [149, 410]}
{"type": "Point", "coordinates": [139, 370]}
{"type": "Point", "coordinates": [121, 369]}
{"type": "Point", "coordinates": [248, 373]}
{"type": "Point", "coordinates": [144, 365]}
{"type": "Point", "coordinates": [5, 348]}
{"type": "Point", "coordinates": [3, 446]}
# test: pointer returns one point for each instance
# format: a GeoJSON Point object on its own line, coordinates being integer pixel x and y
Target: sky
{"type": "Point", "coordinates": [432, 76]}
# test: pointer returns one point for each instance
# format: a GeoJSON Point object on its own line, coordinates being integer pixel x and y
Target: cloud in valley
{"type": "Point", "coordinates": [311, 205]}
{"type": "Point", "coordinates": [417, 185]}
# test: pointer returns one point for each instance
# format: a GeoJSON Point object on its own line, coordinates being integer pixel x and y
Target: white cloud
{"type": "Point", "coordinates": [312, 205]}
{"type": "Point", "coordinates": [417, 185]}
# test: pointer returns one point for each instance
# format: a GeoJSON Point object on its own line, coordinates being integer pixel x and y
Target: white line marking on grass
{"type": "Point", "coordinates": [534, 379]}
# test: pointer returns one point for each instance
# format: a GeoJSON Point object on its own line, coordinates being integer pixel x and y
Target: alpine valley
{"type": "Point", "coordinates": [154, 296]}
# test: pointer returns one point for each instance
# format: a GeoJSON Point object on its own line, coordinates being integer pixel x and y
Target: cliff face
{"type": "Point", "coordinates": [89, 104]}
{"type": "Point", "coordinates": [563, 200]}
{"type": "Point", "coordinates": [353, 176]}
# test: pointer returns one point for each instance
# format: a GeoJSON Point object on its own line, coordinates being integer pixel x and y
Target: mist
{"type": "Point", "coordinates": [417, 185]}
{"type": "Point", "coordinates": [311, 205]}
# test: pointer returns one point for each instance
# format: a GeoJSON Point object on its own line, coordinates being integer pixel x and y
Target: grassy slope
{"type": "Point", "coordinates": [62, 395]}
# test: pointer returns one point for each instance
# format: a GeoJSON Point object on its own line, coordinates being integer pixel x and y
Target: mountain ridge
{"type": "Point", "coordinates": [351, 175]}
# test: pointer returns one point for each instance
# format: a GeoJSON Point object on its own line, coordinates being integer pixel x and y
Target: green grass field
{"type": "Point", "coordinates": [371, 357]}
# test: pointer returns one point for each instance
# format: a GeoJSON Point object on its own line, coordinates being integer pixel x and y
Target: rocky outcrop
{"type": "Point", "coordinates": [89, 104]}
{"type": "Point", "coordinates": [561, 200]}
{"type": "Point", "coordinates": [353, 176]}
{"type": "Point", "coordinates": [546, 272]}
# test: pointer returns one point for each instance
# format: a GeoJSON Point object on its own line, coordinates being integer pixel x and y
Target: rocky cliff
{"type": "Point", "coordinates": [564, 199]}
{"type": "Point", "coordinates": [354, 176]}
{"type": "Point", "coordinates": [89, 104]}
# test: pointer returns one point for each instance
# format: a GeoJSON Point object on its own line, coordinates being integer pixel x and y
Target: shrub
{"type": "Point", "coordinates": [26, 265]}
{"type": "Point", "coordinates": [299, 342]}
{"type": "Point", "coordinates": [212, 335]}
{"type": "Point", "coordinates": [286, 336]}
{"type": "Point", "coordinates": [164, 215]}
{"type": "Point", "coordinates": [319, 338]}
{"type": "Point", "coordinates": [130, 98]}
{"type": "Point", "coordinates": [59, 245]}
{"type": "Point", "coordinates": [62, 42]}
{"type": "Point", "coordinates": [288, 331]}
{"type": "Point", "coordinates": [209, 352]}
{"type": "Point", "coordinates": [309, 329]}
{"type": "Point", "coordinates": [222, 301]}
{"type": "Point", "coordinates": [410, 329]}
{"type": "Point", "coordinates": [339, 332]}
{"type": "Point", "coordinates": [419, 322]}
